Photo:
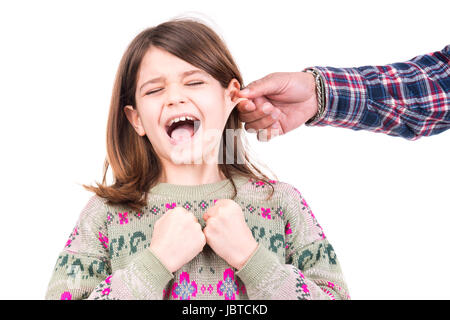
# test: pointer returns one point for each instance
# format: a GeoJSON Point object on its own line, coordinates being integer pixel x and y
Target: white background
{"type": "Point", "coordinates": [382, 201]}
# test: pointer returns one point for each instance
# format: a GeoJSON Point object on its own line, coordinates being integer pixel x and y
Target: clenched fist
{"type": "Point", "coordinates": [177, 238]}
{"type": "Point", "coordinates": [227, 233]}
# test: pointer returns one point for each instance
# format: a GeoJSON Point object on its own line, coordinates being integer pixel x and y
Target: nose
{"type": "Point", "coordinates": [175, 95]}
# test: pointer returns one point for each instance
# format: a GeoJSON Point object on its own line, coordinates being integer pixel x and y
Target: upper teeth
{"type": "Point", "coordinates": [180, 119]}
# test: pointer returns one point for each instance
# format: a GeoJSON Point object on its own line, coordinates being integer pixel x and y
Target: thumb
{"type": "Point", "coordinates": [262, 87]}
{"type": "Point", "coordinates": [211, 212]}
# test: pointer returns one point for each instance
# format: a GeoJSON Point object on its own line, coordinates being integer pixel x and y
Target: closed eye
{"type": "Point", "coordinates": [188, 84]}
{"type": "Point", "coordinates": [154, 91]}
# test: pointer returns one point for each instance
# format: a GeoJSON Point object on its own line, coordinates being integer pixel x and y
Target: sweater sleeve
{"type": "Point", "coordinates": [83, 268]}
{"type": "Point", "coordinates": [311, 269]}
{"type": "Point", "coordinates": [408, 99]}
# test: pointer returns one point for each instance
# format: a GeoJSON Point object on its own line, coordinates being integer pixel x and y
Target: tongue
{"type": "Point", "coordinates": [183, 132]}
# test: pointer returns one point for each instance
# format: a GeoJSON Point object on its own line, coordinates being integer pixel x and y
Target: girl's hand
{"type": "Point", "coordinates": [177, 238]}
{"type": "Point", "coordinates": [227, 233]}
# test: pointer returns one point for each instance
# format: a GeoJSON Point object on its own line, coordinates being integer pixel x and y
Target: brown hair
{"type": "Point", "coordinates": [135, 165]}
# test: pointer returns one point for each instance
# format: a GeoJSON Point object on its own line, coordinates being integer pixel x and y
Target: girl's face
{"type": "Point", "coordinates": [168, 88]}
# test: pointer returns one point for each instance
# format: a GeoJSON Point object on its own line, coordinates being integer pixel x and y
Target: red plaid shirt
{"type": "Point", "coordinates": [407, 99]}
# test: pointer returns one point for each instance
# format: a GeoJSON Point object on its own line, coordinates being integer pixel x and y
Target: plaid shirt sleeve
{"type": "Point", "coordinates": [407, 99]}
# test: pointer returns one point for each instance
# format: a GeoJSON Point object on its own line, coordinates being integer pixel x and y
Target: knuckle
{"type": "Point", "coordinates": [254, 83]}
{"type": "Point", "coordinates": [259, 101]}
{"type": "Point", "coordinates": [275, 75]}
{"type": "Point", "coordinates": [180, 210]}
{"type": "Point", "coordinates": [228, 201]}
{"type": "Point", "coordinates": [212, 224]}
{"type": "Point", "coordinates": [220, 201]}
{"type": "Point", "coordinates": [234, 203]}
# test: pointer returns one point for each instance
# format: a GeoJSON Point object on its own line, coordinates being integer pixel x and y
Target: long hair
{"type": "Point", "coordinates": [135, 165]}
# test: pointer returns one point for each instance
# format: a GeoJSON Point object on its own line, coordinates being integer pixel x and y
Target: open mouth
{"type": "Point", "coordinates": [182, 129]}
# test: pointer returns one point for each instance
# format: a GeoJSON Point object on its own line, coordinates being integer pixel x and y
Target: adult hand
{"type": "Point", "coordinates": [281, 101]}
{"type": "Point", "coordinates": [227, 233]}
{"type": "Point", "coordinates": [177, 238]}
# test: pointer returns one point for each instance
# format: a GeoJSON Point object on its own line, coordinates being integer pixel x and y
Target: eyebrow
{"type": "Point", "coordinates": [182, 75]}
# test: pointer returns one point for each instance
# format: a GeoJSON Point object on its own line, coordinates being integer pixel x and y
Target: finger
{"type": "Point", "coordinates": [214, 210]}
{"type": "Point", "coordinates": [246, 106]}
{"type": "Point", "coordinates": [276, 129]}
{"type": "Point", "coordinates": [264, 122]}
{"type": "Point", "coordinates": [251, 116]}
{"type": "Point", "coordinates": [210, 213]}
{"type": "Point", "coordinates": [262, 109]}
{"type": "Point", "coordinates": [267, 85]}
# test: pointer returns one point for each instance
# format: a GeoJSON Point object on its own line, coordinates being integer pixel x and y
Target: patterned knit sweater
{"type": "Point", "coordinates": [107, 255]}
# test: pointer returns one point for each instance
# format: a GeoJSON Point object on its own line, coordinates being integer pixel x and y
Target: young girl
{"type": "Point", "coordinates": [189, 216]}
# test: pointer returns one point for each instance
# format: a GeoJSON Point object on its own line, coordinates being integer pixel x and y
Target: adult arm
{"type": "Point", "coordinates": [407, 99]}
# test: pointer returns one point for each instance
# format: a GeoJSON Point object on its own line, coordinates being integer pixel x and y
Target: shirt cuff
{"type": "Point", "coordinates": [259, 266]}
{"type": "Point", "coordinates": [152, 270]}
{"type": "Point", "coordinates": [345, 97]}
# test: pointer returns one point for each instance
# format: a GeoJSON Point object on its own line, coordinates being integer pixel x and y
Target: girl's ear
{"type": "Point", "coordinates": [231, 95]}
{"type": "Point", "coordinates": [134, 119]}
